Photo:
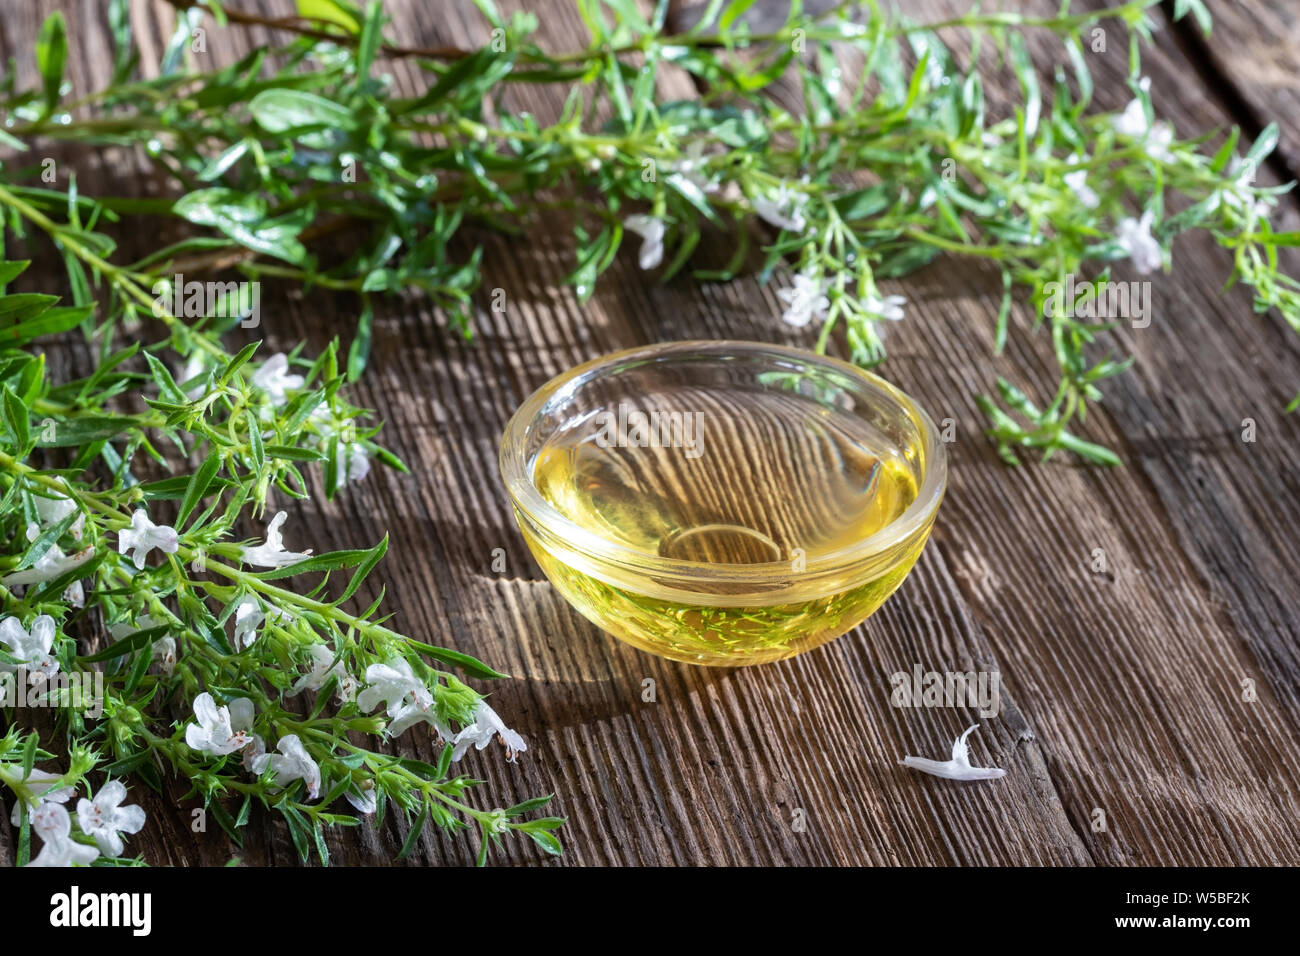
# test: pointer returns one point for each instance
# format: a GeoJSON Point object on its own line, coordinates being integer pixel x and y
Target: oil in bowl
{"type": "Point", "coordinates": [723, 503]}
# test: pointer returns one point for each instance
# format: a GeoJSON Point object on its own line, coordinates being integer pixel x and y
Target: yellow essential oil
{"type": "Point", "coordinates": [763, 480]}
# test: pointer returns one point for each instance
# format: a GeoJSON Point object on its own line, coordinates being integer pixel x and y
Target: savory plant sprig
{"type": "Point", "coordinates": [286, 147]}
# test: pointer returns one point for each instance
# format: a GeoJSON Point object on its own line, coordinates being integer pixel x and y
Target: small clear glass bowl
{"type": "Point", "coordinates": [706, 612]}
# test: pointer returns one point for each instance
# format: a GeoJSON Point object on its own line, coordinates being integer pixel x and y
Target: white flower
{"type": "Point", "coordinates": [358, 462]}
{"type": "Point", "coordinates": [958, 768]}
{"type": "Point", "coordinates": [1077, 181]}
{"type": "Point", "coordinates": [890, 307]}
{"type": "Point", "coordinates": [391, 684]}
{"type": "Point", "coordinates": [164, 648]}
{"type": "Point", "coordinates": [290, 764]}
{"type": "Point", "coordinates": [480, 733]}
{"type": "Point", "coordinates": [1159, 140]}
{"type": "Point", "coordinates": [1134, 236]}
{"type": "Point", "coordinates": [104, 818]}
{"type": "Point", "coordinates": [164, 652]}
{"type": "Point", "coordinates": [1240, 195]}
{"type": "Point", "coordinates": [55, 508]}
{"type": "Point", "coordinates": [354, 459]}
{"type": "Point", "coordinates": [412, 713]}
{"type": "Point", "coordinates": [248, 618]}
{"type": "Point", "coordinates": [406, 700]}
{"type": "Point", "coordinates": [323, 667]}
{"type": "Point", "coordinates": [806, 301]}
{"type": "Point", "coordinates": [215, 734]}
{"type": "Point", "coordinates": [30, 648]}
{"type": "Point", "coordinates": [53, 825]}
{"type": "Point", "coordinates": [143, 536]}
{"type": "Point", "coordinates": [274, 378]}
{"type": "Point", "coordinates": [363, 798]}
{"type": "Point", "coordinates": [1133, 121]}
{"type": "Point", "coordinates": [651, 231]}
{"type": "Point", "coordinates": [784, 208]}
{"type": "Point", "coordinates": [692, 167]}
{"type": "Point", "coordinates": [272, 553]}
{"type": "Point", "coordinates": [1156, 137]}
{"type": "Point", "coordinates": [195, 366]}
{"type": "Point", "coordinates": [40, 784]}
{"type": "Point", "coordinates": [52, 564]}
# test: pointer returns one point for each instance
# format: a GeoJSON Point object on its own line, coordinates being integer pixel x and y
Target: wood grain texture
{"type": "Point", "coordinates": [1121, 690]}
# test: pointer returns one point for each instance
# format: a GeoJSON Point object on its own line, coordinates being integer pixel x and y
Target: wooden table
{"type": "Point", "coordinates": [1122, 689]}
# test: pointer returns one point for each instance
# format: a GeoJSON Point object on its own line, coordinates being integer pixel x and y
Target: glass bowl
{"type": "Point", "coordinates": [723, 503]}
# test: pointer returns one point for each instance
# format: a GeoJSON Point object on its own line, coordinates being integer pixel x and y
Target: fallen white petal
{"type": "Point", "coordinates": [958, 768]}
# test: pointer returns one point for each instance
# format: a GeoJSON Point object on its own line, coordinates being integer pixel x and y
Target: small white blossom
{"type": "Point", "coordinates": [354, 459]}
{"type": "Point", "coordinates": [290, 764]}
{"type": "Point", "coordinates": [248, 618]}
{"type": "Point", "coordinates": [164, 652]}
{"type": "Point", "coordinates": [693, 165]}
{"type": "Point", "coordinates": [241, 719]}
{"type": "Point", "coordinates": [323, 667]}
{"type": "Point", "coordinates": [1077, 182]}
{"type": "Point", "coordinates": [275, 379]}
{"type": "Point", "coordinates": [195, 366]}
{"type": "Point", "coordinates": [53, 825]}
{"type": "Point", "coordinates": [104, 818]}
{"type": "Point", "coordinates": [41, 785]}
{"type": "Point", "coordinates": [806, 301]}
{"type": "Point", "coordinates": [358, 462]}
{"type": "Point", "coordinates": [164, 648]}
{"type": "Point", "coordinates": [958, 768]}
{"type": "Point", "coordinates": [55, 508]}
{"type": "Point", "coordinates": [1156, 137]}
{"type": "Point", "coordinates": [364, 799]}
{"type": "Point", "coordinates": [406, 700]}
{"type": "Point", "coordinates": [31, 648]}
{"type": "Point", "coordinates": [272, 553]}
{"type": "Point", "coordinates": [1240, 195]}
{"type": "Point", "coordinates": [391, 684]}
{"type": "Point", "coordinates": [214, 734]}
{"type": "Point", "coordinates": [485, 727]}
{"type": "Point", "coordinates": [889, 308]}
{"type": "Point", "coordinates": [1134, 236]}
{"type": "Point", "coordinates": [651, 231]}
{"type": "Point", "coordinates": [143, 536]}
{"type": "Point", "coordinates": [784, 208]}
{"type": "Point", "coordinates": [52, 564]}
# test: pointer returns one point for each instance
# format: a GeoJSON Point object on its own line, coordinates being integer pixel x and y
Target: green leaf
{"type": "Point", "coordinates": [46, 540]}
{"type": "Point", "coordinates": [198, 487]}
{"type": "Point", "coordinates": [222, 162]}
{"type": "Point", "coordinates": [547, 841]}
{"type": "Point", "coordinates": [528, 806]}
{"type": "Point", "coordinates": [372, 35]}
{"type": "Point", "coordinates": [292, 453]}
{"type": "Point", "coordinates": [345, 15]}
{"type": "Point", "coordinates": [29, 754]}
{"type": "Point", "coordinates": [333, 561]}
{"type": "Point", "coordinates": [1264, 144]}
{"type": "Point", "coordinates": [72, 432]}
{"type": "Point", "coordinates": [295, 111]}
{"type": "Point", "coordinates": [126, 645]}
{"type": "Point", "coordinates": [364, 568]}
{"type": "Point", "coordinates": [17, 417]}
{"type": "Point", "coordinates": [139, 668]}
{"type": "Point", "coordinates": [359, 351]}
{"type": "Point", "coordinates": [51, 57]}
{"type": "Point", "coordinates": [413, 836]}
{"type": "Point", "coordinates": [470, 665]}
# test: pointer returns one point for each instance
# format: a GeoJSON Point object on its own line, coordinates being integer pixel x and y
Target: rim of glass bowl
{"type": "Point", "coordinates": [516, 474]}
